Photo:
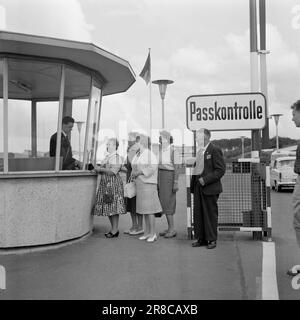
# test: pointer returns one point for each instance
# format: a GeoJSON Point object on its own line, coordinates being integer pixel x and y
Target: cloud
{"type": "Point", "coordinates": [190, 56]}
{"type": "Point", "coordinates": [2, 18]}
{"type": "Point", "coordinates": [55, 18]}
{"type": "Point", "coordinates": [282, 59]}
{"type": "Point", "coordinates": [193, 61]}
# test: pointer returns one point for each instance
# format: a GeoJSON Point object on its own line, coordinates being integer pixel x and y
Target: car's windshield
{"type": "Point", "coordinates": [289, 163]}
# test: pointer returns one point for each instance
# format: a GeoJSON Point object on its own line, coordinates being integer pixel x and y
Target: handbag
{"type": "Point", "coordinates": [130, 189]}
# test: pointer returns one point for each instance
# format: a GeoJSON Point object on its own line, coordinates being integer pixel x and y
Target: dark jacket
{"type": "Point", "coordinates": [297, 161]}
{"type": "Point", "coordinates": [65, 152]}
{"type": "Point", "coordinates": [214, 169]}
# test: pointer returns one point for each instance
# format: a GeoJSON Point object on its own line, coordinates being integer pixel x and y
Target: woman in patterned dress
{"type": "Point", "coordinates": [110, 193]}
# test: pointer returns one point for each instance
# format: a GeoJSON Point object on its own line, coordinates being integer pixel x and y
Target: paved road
{"type": "Point", "coordinates": [287, 252]}
{"type": "Point", "coordinates": [127, 268]}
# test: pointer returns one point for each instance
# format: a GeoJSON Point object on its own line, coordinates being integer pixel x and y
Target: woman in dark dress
{"type": "Point", "coordinates": [168, 180]}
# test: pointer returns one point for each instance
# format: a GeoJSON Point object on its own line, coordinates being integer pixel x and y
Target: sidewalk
{"type": "Point", "coordinates": [127, 268]}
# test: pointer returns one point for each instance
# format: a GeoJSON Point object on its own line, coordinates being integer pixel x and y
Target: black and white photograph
{"type": "Point", "coordinates": [149, 154]}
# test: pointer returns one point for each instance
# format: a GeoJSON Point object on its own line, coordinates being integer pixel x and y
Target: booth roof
{"type": "Point", "coordinates": [117, 73]}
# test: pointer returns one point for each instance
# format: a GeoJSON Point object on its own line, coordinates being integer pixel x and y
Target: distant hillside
{"type": "Point", "coordinates": [232, 148]}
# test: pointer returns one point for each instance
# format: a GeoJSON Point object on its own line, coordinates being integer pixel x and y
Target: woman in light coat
{"type": "Point", "coordinates": [145, 172]}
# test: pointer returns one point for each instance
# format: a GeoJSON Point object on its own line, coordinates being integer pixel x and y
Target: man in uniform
{"type": "Point", "coordinates": [206, 187]}
{"type": "Point", "coordinates": [69, 163]}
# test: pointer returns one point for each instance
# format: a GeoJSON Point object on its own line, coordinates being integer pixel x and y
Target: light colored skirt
{"type": "Point", "coordinates": [147, 201]}
{"type": "Point", "coordinates": [166, 195]}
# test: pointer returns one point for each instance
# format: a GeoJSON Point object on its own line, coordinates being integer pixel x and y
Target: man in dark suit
{"type": "Point", "coordinates": [206, 187]}
{"type": "Point", "coordinates": [69, 163]}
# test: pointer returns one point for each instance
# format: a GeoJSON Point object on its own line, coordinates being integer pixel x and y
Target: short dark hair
{"type": "Point", "coordinates": [170, 141]}
{"type": "Point", "coordinates": [296, 105]}
{"type": "Point", "coordinates": [67, 119]}
{"type": "Point", "coordinates": [166, 134]}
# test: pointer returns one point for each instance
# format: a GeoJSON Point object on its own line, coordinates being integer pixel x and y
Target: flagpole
{"type": "Point", "coordinates": [150, 96]}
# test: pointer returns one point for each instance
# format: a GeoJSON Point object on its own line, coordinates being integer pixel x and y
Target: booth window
{"type": "Point", "coordinates": [30, 123]}
{"type": "Point", "coordinates": [40, 94]}
{"type": "Point", "coordinates": [1, 116]}
{"type": "Point", "coordinates": [93, 125]}
{"type": "Point", "coordinates": [76, 101]}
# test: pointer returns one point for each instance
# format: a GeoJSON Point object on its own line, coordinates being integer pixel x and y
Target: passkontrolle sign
{"type": "Point", "coordinates": [234, 111]}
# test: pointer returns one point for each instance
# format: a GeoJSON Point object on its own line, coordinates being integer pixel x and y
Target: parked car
{"type": "Point", "coordinates": [282, 173]}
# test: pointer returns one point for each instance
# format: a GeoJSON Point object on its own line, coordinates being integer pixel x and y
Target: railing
{"type": "Point", "coordinates": [244, 204]}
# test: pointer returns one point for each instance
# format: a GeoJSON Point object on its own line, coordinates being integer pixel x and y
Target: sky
{"type": "Point", "coordinates": [202, 45]}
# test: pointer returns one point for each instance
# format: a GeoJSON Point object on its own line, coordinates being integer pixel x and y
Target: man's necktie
{"type": "Point", "coordinates": [199, 162]}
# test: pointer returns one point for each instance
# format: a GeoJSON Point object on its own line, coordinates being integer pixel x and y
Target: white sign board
{"type": "Point", "coordinates": [236, 111]}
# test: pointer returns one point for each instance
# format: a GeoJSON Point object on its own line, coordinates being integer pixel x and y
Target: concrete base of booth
{"type": "Point", "coordinates": [45, 209]}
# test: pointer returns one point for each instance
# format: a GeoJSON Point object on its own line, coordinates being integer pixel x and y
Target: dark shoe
{"type": "Point", "coordinates": [163, 233]}
{"type": "Point", "coordinates": [294, 271]}
{"type": "Point", "coordinates": [112, 235]}
{"type": "Point", "coordinates": [211, 244]}
{"type": "Point", "coordinates": [170, 234]}
{"type": "Point", "coordinates": [107, 233]}
{"type": "Point", "coordinates": [199, 243]}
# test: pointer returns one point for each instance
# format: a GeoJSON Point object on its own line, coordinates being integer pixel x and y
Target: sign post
{"type": "Point", "coordinates": [231, 112]}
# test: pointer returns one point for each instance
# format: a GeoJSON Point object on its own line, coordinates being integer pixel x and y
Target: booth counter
{"type": "Point", "coordinates": [39, 209]}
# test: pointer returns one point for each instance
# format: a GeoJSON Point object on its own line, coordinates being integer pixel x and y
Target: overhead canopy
{"type": "Point", "coordinates": [115, 72]}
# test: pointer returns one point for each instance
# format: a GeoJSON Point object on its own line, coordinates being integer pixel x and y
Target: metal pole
{"type": "Point", "coordinates": [79, 147]}
{"type": "Point", "coordinates": [33, 129]}
{"type": "Point", "coordinates": [94, 132]}
{"type": "Point", "coordinates": [163, 113]}
{"type": "Point", "coordinates": [242, 147]}
{"type": "Point", "coordinates": [60, 115]}
{"type": "Point", "coordinates": [162, 86]}
{"type": "Point", "coordinates": [87, 128]}
{"type": "Point", "coordinates": [255, 134]}
{"type": "Point", "coordinates": [277, 139]}
{"type": "Point", "coordinates": [268, 205]}
{"type": "Point", "coordinates": [263, 69]}
{"type": "Point", "coordinates": [5, 115]}
{"type": "Point", "coordinates": [98, 128]}
{"type": "Point", "coordinates": [195, 143]}
{"type": "Point", "coordinates": [254, 69]}
{"type": "Point", "coordinates": [276, 117]}
{"type": "Point", "coordinates": [150, 97]}
{"type": "Point", "coordinates": [189, 200]}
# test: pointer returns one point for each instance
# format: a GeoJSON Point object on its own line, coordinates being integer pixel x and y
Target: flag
{"type": "Point", "coordinates": [146, 72]}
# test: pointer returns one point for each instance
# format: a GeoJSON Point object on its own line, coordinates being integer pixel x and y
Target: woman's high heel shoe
{"type": "Point", "coordinates": [144, 237]}
{"type": "Point", "coordinates": [112, 235]}
{"type": "Point", "coordinates": [152, 238]}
